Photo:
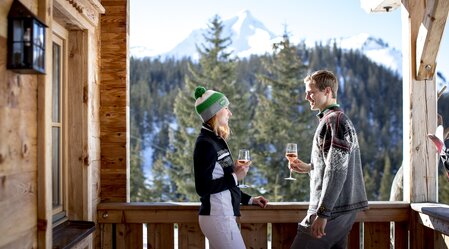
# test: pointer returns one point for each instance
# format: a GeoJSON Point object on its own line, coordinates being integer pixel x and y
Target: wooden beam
{"type": "Point", "coordinates": [77, 126]}
{"type": "Point", "coordinates": [419, 114]}
{"type": "Point", "coordinates": [80, 13]}
{"type": "Point", "coordinates": [44, 98]}
{"type": "Point", "coordinates": [420, 236]}
{"type": "Point", "coordinates": [281, 212]}
{"type": "Point", "coordinates": [429, 37]}
{"type": "Point", "coordinates": [114, 102]}
{"type": "Point", "coordinates": [433, 215]}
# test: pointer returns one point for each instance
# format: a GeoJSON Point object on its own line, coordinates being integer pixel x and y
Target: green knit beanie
{"type": "Point", "coordinates": [209, 102]}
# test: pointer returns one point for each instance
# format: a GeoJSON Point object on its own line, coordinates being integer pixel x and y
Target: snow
{"type": "Point", "coordinates": [250, 37]}
{"type": "Point", "coordinates": [374, 48]}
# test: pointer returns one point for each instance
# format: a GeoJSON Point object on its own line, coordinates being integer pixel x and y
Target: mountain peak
{"type": "Point", "coordinates": [362, 41]}
{"type": "Point", "coordinates": [244, 14]}
{"type": "Point", "coordinates": [245, 24]}
{"type": "Point", "coordinates": [374, 48]}
{"type": "Point", "coordinates": [248, 36]}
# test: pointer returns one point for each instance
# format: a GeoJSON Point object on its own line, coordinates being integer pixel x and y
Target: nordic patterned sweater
{"type": "Point", "coordinates": [214, 182]}
{"type": "Point", "coordinates": [336, 185]}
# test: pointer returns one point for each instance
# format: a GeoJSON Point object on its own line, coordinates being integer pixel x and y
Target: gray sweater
{"type": "Point", "coordinates": [336, 185]}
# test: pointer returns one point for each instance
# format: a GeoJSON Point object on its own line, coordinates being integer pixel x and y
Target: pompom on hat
{"type": "Point", "coordinates": [209, 102]}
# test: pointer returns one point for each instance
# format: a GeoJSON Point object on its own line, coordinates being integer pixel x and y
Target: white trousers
{"type": "Point", "coordinates": [221, 231]}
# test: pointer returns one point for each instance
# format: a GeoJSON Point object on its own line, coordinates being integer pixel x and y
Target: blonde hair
{"type": "Point", "coordinates": [222, 131]}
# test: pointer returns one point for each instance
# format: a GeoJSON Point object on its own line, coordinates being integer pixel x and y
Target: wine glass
{"type": "Point", "coordinates": [291, 153]}
{"type": "Point", "coordinates": [243, 158]}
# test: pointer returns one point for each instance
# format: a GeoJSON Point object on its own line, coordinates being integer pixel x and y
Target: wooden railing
{"type": "Point", "coordinates": [122, 225]}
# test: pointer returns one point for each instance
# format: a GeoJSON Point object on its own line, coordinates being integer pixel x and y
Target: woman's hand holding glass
{"type": "Point", "coordinates": [241, 169]}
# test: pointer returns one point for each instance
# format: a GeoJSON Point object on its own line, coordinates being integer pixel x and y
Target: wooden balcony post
{"type": "Point", "coordinates": [419, 114]}
{"type": "Point", "coordinates": [114, 102]}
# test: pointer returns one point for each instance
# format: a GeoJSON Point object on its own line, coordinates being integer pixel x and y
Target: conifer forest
{"type": "Point", "coordinates": [269, 110]}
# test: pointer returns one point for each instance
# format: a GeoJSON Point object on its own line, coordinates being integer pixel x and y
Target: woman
{"type": "Point", "coordinates": [217, 175]}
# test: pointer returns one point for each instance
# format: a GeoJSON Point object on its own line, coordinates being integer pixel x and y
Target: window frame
{"type": "Point", "coordinates": [60, 37]}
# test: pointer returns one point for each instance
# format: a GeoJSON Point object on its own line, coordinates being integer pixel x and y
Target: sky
{"type": "Point", "coordinates": [161, 25]}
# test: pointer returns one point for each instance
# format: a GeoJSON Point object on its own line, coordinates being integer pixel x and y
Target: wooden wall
{"type": "Point", "coordinates": [25, 128]}
{"type": "Point", "coordinates": [18, 150]}
{"type": "Point", "coordinates": [114, 111]}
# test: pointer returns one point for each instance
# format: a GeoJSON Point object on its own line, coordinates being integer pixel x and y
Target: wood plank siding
{"type": "Point", "coordinates": [114, 102]}
{"type": "Point", "coordinates": [18, 151]}
{"type": "Point", "coordinates": [26, 207]}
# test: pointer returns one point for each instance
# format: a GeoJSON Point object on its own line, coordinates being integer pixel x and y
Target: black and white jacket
{"type": "Point", "coordinates": [214, 181]}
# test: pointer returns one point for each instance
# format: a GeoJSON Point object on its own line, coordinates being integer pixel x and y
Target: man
{"type": "Point", "coordinates": [337, 188]}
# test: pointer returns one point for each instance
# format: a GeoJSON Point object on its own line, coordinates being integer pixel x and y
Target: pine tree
{"type": "Point", "coordinates": [160, 185]}
{"type": "Point", "coordinates": [386, 180]}
{"type": "Point", "coordinates": [370, 183]}
{"type": "Point", "coordinates": [282, 116]}
{"type": "Point", "coordinates": [216, 71]}
{"type": "Point", "coordinates": [139, 191]}
{"type": "Point", "coordinates": [155, 85]}
{"type": "Point", "coordinates": [182, 140]}
{"type": "Point", "coordinates": [443, 189]}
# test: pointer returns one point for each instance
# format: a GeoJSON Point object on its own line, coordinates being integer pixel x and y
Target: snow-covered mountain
{"type": "Point", "coordinates": [250, 36]}
{"type": "Point", "coordinates": [142, 51]}
{"type": "Point", "coordinates": [375, 49]}
{"type": "Point", "coordinates": [381, 53]}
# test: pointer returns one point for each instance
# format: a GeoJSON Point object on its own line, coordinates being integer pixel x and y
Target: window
{"type": "Point", "coordinates": [59, 158]}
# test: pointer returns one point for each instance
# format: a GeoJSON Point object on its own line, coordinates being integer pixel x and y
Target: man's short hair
{"type": "Point", "coordinates": [323, 79]}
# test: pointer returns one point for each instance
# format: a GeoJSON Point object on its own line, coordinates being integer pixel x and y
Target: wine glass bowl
{"type": "Point", "coordinates": [291, 153]}
{"type": "Point", "coordinates": [243, 158]}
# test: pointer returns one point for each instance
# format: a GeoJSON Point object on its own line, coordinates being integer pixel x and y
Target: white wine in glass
{"type": "Point", "coordinates": [291, 153]}
{"type": "Point", "coordinates": [243, 158]}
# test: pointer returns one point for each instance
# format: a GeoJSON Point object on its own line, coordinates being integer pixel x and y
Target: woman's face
{"type": "Point", "coordinates": [223, 116]}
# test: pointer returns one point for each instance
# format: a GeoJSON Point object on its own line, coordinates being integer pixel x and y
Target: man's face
{"type": "Point", "coordinates": [318, 100]}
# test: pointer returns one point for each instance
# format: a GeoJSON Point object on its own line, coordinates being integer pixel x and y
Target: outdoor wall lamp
{"type": "Point", "coordinates": [26, 41]}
